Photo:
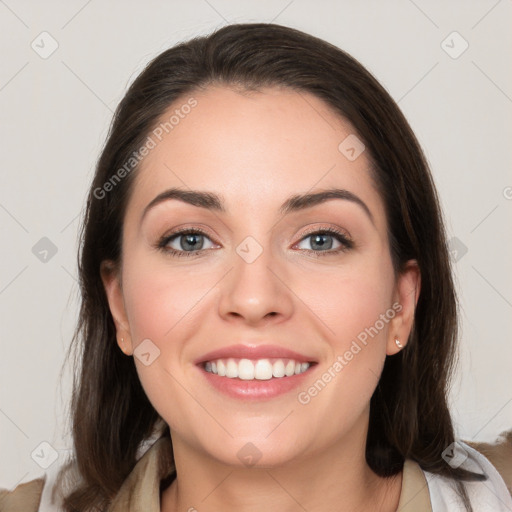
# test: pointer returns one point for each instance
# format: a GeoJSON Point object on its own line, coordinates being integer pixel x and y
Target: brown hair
{"type": "Point", "coordinates": [409, 416]}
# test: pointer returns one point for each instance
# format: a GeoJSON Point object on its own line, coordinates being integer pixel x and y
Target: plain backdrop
{"type": "Point", "coordinates": [66, 65]}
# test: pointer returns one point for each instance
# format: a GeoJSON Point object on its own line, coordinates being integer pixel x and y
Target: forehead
{"type": "Point", "coordinates": [252, 148]}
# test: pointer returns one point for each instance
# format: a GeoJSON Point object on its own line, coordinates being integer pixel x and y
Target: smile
{"type": "Point", "coordinates": [259, 372]}
{"type": "Point", "coordinates": [260, 369]}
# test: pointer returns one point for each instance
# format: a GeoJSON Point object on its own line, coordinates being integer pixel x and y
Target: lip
{"type": "Point", "coordinates": [254, 352]}
{"type": "Point", "coordinates": [255, 390]}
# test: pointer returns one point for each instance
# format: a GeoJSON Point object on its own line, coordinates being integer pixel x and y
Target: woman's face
{"type": "Point", "coordinates": [257, 283]}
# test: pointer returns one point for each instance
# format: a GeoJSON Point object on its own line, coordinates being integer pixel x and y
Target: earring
{"type": "Point", "coordinates": [398, 344]}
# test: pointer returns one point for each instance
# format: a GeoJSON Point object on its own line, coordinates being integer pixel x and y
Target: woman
{"type": "Point", "coordinates": [267, 300]}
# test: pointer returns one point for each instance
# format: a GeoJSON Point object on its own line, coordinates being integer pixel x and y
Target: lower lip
{"type": "Point", "coordinates": [255, 389]}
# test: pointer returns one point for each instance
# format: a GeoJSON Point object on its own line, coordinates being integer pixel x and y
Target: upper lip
{"type": "Point", "coordinates": [254, 352]}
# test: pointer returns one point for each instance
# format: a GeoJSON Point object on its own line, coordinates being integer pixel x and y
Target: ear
{"type": "Point", "coordinates": [407, 291]}
{"type": "Point", "coordinates": [110, 276]}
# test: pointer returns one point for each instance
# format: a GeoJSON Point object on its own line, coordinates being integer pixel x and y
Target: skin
{"type": "Point", "coordinates": [255, 150]}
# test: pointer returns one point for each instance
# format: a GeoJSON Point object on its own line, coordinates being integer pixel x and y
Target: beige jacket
{"type": "Point", "coordinates": [141, 490]}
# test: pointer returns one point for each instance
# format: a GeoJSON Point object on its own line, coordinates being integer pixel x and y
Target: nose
{"type": "Point", "coordinates": [255, 291]}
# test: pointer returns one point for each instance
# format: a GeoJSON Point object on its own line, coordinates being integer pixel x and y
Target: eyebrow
{"type": "Point", "coordinates": [214, 202]}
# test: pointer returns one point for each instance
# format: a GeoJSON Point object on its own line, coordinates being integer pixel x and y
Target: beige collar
{"type": "Point", "coordinates": [141, 490]}
{"type": "Point", "coordinates": [414, 496]}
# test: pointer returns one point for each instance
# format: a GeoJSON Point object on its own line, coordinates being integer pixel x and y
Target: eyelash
{"type": "Point", "coordinates": [346, 243]}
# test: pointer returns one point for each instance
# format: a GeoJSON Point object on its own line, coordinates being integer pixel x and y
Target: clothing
{"type": "Point", "coordinates": [422, 491]}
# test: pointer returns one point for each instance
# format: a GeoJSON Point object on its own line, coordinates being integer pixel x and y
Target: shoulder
{"type": "Point", "coordinates": [494, 460]}
{"type": "Point", "coordinates": [26, 496]}
{"type": "Point", "coordinates": [46, 493]}
{"type": "Point", "coordinates": [42, 494]}
{"type": "Point", "coordinates": [499, 454]}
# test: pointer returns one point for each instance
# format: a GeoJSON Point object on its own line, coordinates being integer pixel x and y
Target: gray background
{"type": "Point", "coordinates": [55, 115]}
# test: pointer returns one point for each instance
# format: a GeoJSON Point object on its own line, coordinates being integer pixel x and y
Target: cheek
{"type": "Point", "coordinates": [162, 306]}
{"type": "Point", "coordinates": [166, 306]}
{"type": "Point", "coordinates": [357, 337]}
{"type": "Point", "coordinates": [354, 308]}
{"type": "Point", "coordinates": [350, 301]}
{"type": "Point", "coordinates": [159, 300]}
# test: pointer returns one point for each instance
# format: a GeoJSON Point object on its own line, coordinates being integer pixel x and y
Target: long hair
{"type": "Point", "coordinates": [409, 416]}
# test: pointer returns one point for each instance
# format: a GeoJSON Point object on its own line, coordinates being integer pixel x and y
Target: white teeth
{"type": "Point", "coordinates": [262, 369]}
{"type": "Point", "coordinates": [245, 369]}
{"type": "Point", "coordinates": [290, 368]}
{"type": "Point", "coordinates": [231, 369]}
{"type": "Point", "coordinates": [221, 368]}
{"type": "Point", "coordinates": [278, 369]}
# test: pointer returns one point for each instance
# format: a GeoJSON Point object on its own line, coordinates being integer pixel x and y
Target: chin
{"type": "Point", "coordinates": [254, 452]}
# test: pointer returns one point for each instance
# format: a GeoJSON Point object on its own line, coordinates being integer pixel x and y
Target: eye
{"type": "Point", "coordinates": [321, 242]}
{"type": "Point", "coordinates": [188, 242]}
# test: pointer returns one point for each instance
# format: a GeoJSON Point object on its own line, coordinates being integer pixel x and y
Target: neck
{"type": "Point", "coordinates": [337, 478]}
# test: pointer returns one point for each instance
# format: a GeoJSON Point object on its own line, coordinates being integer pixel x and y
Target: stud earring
{"type": "Point", "coordinates": [398, 344]}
